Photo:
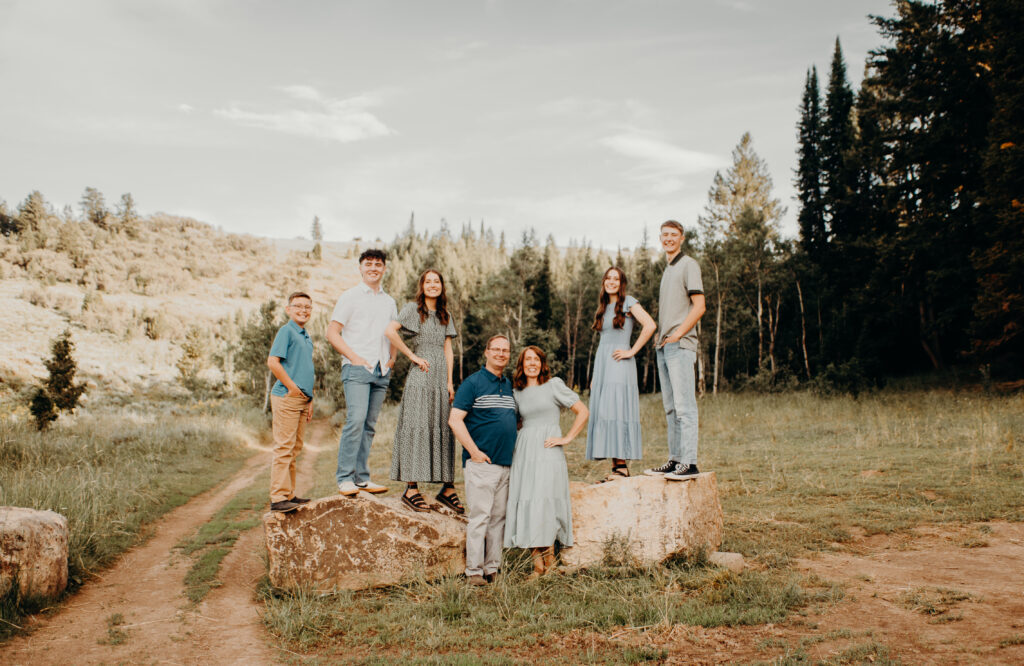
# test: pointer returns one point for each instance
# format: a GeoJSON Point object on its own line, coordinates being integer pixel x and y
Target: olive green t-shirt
{"type": "Point", "coordinates": [679, 282]}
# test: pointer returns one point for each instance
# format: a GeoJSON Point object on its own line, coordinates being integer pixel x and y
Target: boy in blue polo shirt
{"type": "Point", "coordinates": [483, 420]}
{"type": "Point", "coordinates": [291, 361]}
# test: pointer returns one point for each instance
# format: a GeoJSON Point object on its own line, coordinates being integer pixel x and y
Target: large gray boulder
{"type": "Point", "coordinates": [360, 542]}
{"type": "Point", "coordinates": [367, 541]}
{"type": "Point", "coordinates": [33, 552]}
{"type": "Point", "coordinates": [644, 519]}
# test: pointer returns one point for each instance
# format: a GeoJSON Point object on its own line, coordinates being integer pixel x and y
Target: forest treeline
{"type": "Point", "coordinates": [911, 249]}
{"type": "Point", "coordinates": [911, 252]}
{"type": "Point", "coordinates": [910, 255]}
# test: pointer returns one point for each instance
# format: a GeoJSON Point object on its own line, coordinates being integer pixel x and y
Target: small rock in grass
{"type": "Point", "coordinates": [731, 561]}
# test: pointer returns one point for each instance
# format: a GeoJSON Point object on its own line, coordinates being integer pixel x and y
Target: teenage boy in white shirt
{"type": "Point", "coordinates": [357, 331]}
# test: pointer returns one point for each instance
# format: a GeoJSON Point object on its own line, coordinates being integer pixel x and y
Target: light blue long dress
{"type": "Point", "coordinates": [539, 511]}
{"type": "Point", "coordinates": [614, 427]}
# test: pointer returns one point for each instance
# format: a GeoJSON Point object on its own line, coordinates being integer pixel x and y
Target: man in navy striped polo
{"type": "Point", "coordinates": [483, 420]}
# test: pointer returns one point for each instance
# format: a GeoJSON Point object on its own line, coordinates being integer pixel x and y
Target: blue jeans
{"type": "Point", "coordinates": [679, 396]}
{"type": "Point", "coordinates": [364, 395]}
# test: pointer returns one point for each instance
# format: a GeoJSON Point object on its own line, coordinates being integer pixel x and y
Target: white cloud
{"type": "Point", "coordinates": [738, 5]}
{"type": "Point", "coordinates": [185, 108]}
{"type": "Point", "coordinates": [660, 156]}
{"type": "Point", "coordinates": [463, 50]}
{"type": "Point", "coordinates": [303, 92]}
{"type": "Point", "coordinates": [342, 120]}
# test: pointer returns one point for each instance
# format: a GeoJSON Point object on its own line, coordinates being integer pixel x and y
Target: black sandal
{"type": "Point", "coordinates": [617, 471]}
{"type": "Point", "coordinates": [451, 501]}
{"type": "Point", "coordinates": [415, 502]}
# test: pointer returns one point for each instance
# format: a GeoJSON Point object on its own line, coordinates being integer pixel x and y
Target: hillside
{"type": "Point", "coordinates": [129, 295]}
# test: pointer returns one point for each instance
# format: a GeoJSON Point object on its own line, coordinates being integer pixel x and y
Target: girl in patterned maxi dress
{"type": "Point", "coordinates": [424, 449]}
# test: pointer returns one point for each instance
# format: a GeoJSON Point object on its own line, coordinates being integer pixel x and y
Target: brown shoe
{"type": "Point", "coordinates": [476, 581]}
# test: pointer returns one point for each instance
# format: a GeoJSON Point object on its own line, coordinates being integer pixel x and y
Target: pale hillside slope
{"type": "Point", "coordinates": [130, 295]}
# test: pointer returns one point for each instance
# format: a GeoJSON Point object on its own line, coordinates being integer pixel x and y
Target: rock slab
{"type": "Point", "coordinates": [361, 542]}
{"type": "Point", "coordinates": [643, 519]}
{"type": "Point", "coordinates": [33, 552]}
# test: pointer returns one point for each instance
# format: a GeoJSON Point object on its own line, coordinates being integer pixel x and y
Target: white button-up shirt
{"type": "Point", "coordinates": [364, 315]}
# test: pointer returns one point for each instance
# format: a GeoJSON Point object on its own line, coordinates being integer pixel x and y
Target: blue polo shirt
{"type": "Point", "coordinates": [490, 415]}
{"type": "Point", "coordinates": [294, 347]}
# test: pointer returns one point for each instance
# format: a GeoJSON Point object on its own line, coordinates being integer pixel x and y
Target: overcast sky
{"type": "Point", "coordinates": [580, 118]}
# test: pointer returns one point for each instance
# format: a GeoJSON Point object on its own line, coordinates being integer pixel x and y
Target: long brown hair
{"type": "Point", "coordinates": [619, 320]}
{"type": "Point", "coordinates": [519, 375]}
{"type": "Point", "coordinates": [442, 298]}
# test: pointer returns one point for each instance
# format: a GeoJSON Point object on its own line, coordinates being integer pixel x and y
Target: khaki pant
{"type": "Point", "coordinates": [289, 427]}
{"type": "Point", "coordinates": [486, 495]}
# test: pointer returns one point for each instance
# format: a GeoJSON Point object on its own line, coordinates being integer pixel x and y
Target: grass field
{"type": "Point", "coordinates": [110, 474]}
{"type": "Point", "coordinates": [797, 473]}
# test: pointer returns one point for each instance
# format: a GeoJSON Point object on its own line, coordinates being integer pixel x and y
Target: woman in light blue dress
{"type": "Point", "coordinates": [614, 429]}
{"type": "Point", "coordinates": [539, 510]}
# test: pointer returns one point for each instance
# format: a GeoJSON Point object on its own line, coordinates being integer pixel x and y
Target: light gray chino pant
{"type": "Point", "coordinates": [486, 495]}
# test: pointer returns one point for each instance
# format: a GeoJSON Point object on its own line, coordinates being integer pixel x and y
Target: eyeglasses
{"type": "Point", "coordinates": [302, 308]}
{"type": "Point", "coordinates": [499, 351]}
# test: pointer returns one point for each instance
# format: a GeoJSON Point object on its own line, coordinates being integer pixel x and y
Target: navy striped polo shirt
{"type": "Point", "coordinates": [490, 415]}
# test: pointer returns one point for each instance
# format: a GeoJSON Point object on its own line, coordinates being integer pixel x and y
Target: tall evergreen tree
{"type": "Point", "coordinates": [998, 332]}
{"type": "Point", "coordinates": [32, 213]}
{"type": "Point", "coordinates": [741, 221]}
{"type": "Point", "coordinates": [934, 104]}
{"type": "Point", "coordinates": [837, 137]}
{"type": "Point", "coordinates": [811, 217]}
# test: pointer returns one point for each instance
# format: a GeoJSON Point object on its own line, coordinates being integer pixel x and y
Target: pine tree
{"type": "Point", "coordinates": [742, 215]}
{"type": "Point", "coordinates": [31, 222]}
{"type": "Point", "coordinates": [60, 385]}
{"type": "Point", "coordinates": [94, 207]}
{"type": "Point", "coordinates": [811, 218]}
{"type": "Point", "coordinates": [9, 224]}
{"type": "Point", "coordinates": [934, 105]}
{"type": "Point", "coordinates": [998, 331]}
{"type": "Point", "coordinates": [837, 138]}
{"type": "Point", "coordinates": [42, 409]}
{"type": "Point", "coordinates": [128, 216]}
{"type": "Point", "coordinates": [193, 359]}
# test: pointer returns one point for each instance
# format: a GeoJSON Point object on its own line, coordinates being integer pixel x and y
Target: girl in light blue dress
{"type": "Point", "coordinates": [539, 511]}
{"type": "Point", "coordinates": [614, 428]}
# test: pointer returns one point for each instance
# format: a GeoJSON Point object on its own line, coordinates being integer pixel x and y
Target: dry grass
{"type": "Point", "coordinates": [110, 475]}
{"type": "Point", "coordinates": [797, 473]}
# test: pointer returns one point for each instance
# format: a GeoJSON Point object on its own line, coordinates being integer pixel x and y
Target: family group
{"type": "Point", "coordinates": [515, 473]}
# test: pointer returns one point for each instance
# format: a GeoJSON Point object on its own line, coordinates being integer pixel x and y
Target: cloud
{"type": "Point", "coordinates": [738, 5]}
{"type": "Point", "coordinates": [185, 108]}
{"type": "Point", "coordinates": [463, 50]}
{"type": "Point", "coordinates": [660, 156]}
{"type": "Point", "coordinates": [660, 164]}
{"type": "Point", "coordinates": [342, 120]}
{"type": "Point", "coordinates": [302, 92]}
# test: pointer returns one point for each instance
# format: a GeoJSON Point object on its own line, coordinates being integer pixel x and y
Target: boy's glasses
{"type": "Point", "coordinates": [302, 308]}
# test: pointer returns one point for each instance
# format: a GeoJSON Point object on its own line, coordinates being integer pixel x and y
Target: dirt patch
{"type": "Point", "coordinates": [944, 596]}
{"type": "Point", "coordinates": [936, 596]}
{"type": "Point", "coordinates": [135, 612]}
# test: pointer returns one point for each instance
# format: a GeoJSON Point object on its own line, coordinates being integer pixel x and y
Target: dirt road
{"type": "Point", "coordinates": [146, 587]}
